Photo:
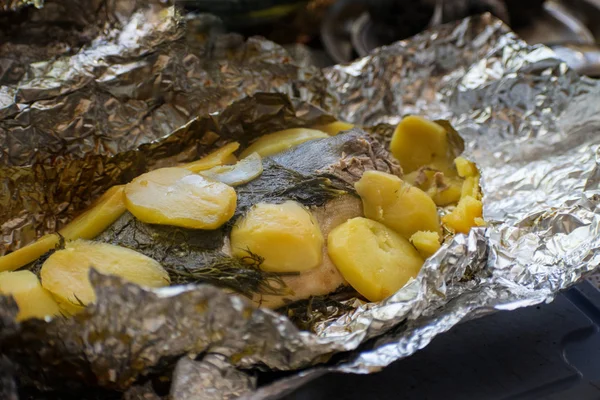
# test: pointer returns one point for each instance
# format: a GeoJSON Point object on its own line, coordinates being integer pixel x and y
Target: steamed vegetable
{"type": "Point", "coordinates": [99, 216]}
{"type": "Point", "coordinates": [33, 300]}
{"type": "Point", "coordinates": [65, 273]}
{"type": "Point", "coordinates": [221, 156]}
{"type": "Point", "coordinates": [426, 242]}
{"type": "Point", "coordinates": [282, 140]}
{"type": "Point", "coordinates": [333, 128]}
{"type": "Point", "coordinates": [285, 235]}
{"type": "Point", "coordinates": [398, 205]}
{"type": "Point", "coordinates": [418, 142]}
{"type": "Point", "coordinates": [234, 175]}
{"type": "Point", "coordinates": [466, 215]}
{"type": "Point", "coordinates": [178, 197]}
{"type": "Point", "coordinates": [374, 259]}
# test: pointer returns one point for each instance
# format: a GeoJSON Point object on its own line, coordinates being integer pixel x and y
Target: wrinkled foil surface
{"type": "Point", "coordinates": [139, 96]}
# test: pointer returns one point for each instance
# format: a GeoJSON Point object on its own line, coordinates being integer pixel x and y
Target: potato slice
{"type": "Point", "coordinates": [418, 142]}
{"type": "Point", "coordinates": [374, 259]}
{"type": "Point", "coordinates": [471, 188]}
{"type": "Point", "coordinates": [466, 215]}
{"type": "Point", "coordinates": [465, 168]}
{"type": "Point", "coordinates": [106, 210]}
{"type": "Point", "coordinates": [33, 300]}
{"type": "Point", "coordinates": [286, 235]}
{"type": "Point", "coordinates": [29, 253]}
{"type": "Point", "coordinates": [218, 157]}
{"type": "Point", "coordinates": [99, 216]}
{"type": "Point", "coordinates": [282, 140]}
{"type": "Point", "coordinates": [333, 128]}
{"type": "Point", "coordinates": [398, 205]}
{"type": "Point", "coordinates": [445, 191]}
{"type": "Point", "coordinates": [65, 273]}
{"type": "Point", "coordinates": [176, 196]}
{"type": "Point", "coordinates": [426, 242]}
{"type": "Point", "coordinates": [234, 175]}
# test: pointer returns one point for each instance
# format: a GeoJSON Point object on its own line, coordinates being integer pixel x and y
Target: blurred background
{"type": "Point", "coordinates": [336, 31]}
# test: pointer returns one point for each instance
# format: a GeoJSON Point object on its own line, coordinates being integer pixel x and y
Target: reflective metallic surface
{"type": "Point", "coordinates": [529, 122]}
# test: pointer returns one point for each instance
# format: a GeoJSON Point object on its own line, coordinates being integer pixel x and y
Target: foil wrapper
{"type": "Point", "coordinates": [150, 92]}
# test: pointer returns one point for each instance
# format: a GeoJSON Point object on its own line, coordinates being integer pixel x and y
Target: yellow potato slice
{"type": "Point", "coordinates": [286, 235]}
{"type": "Point", "coordinates": [398, 205]}
{"type": "Point", "coordinates": [426, 242]}
{"type": "Point", "coordinates": [471, 188]}
{"type": "Point", "coordinates": [333, 128]}
{"type": "Point", "coordinates": [29, 253]}
{"type": "Point", "coordinates": [65, 273]}
{"type": "Point", "coordinates": [466, 215]}
{"type": "Point", "coordinates": [277, 142]}
{"type": "Point", "coordinates": [106, 210]}
{"type": "Point", "coordinates": [178, 197]}
{"type": "Point", "coordinates": [221, 156]}
{"type": "Point", "coordinates": [445, 191]}
{"type": "Point", "coordinates": [375, 260]}
{"type": "Point", "coordinates": [465, 168]}
{"type": "Point", "coordinates": [418, 142]}
{"type": "Point", "coordinates": [33, 300]}
{"type": "Point", "coordinates": [99, 216]}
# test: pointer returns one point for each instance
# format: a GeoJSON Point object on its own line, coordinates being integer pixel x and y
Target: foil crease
{"type": "Point", "coordinates": [528, 121]}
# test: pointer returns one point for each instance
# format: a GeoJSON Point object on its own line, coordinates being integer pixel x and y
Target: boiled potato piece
{"type": "Point", "coordinates": [471, 188]}
{"type": "Point", "coordinates": [277, 142]}
{"type": "Point", "coordinates": [33, 300]}
{"type": "Point", "coordinates": [221, 156]}
{"type": "Point", "coordinates": [106, 210]}
{"type": "Point", "coordinates": [398, 205]}
{"type": "Point", "coordinates": [29, 253]}
{"type": "Point", "coordinates": [99, 216]}
{"type": "Point", "coordinates": [286, 235]}
{"type": "Point", "coordinates": [234, 175]}
{"type": "Point", "coordinates": [178, 197]}
{"type": "Point", "coordinates": [445, 191]}
{"type": "Point", "coordinates": [65, 273]}
{"type": "Point", "coordinates": [334, 128]}
{"type": "Point", "coordinates": [465, 168]}
{"type": "Point", "coordinates": [375, 260]}
{"type": "Point", "coordinates": [426, 242]}
{"type": "Point", "coordinates": [418, 142]}
{"type": "Point", "coordinates": [466, 215]}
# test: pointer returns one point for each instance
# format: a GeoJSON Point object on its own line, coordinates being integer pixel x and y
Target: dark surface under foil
{"type": "Point", "coordinates": [529, 123]}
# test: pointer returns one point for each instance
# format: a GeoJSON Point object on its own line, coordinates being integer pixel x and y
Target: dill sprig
{"type": "Point", "coordinates": [242, 275]}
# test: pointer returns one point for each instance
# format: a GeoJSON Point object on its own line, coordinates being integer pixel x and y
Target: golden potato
{"type": "Point", "coordinates": [426, 242]}
{"type": "Point", "coordinates": [375, 260]}
{"type": "Point", "coordinates": [465, 168]}
{"type": "Point", "coordinates": [418, 142]}
{"type": "Point", "coordinates": [221, 156]}
{"type": "Point", "coordinates": [99, 216]}
{"type": "Point", "coordinates": [286, 235]}
{"type": "Point", "coordinates": [277, 142]}
{"type": "Point", "coordinates": [464, 216]}
{"type": "Point", "coordinates": [445, 191]}
{"type": "Point", "coordinates": [176, 196]}
{"type": "Point", "coordinates": [65, 273]}
{"type": "Point", "coordinates": [471, 188]}
{"type": "Point", "coordinates": [33, 300]}
{"type": "Point", "coordinates": [333, 128]}
{"type": "Point", "coordinates": [398, 205]}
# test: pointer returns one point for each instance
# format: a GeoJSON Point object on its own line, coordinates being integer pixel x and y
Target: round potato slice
{"type": "Point", "coordinates": [286, 235]}
{"type": "Point", "coordinates": [178, 197]}
{"type": "Point", "coordinates": [33, 300]}
{"type": "Point", "coordinates": [375, 260]}
{"type": "Point", "coordinates": [277, 142]}
{"type": "Point", "coordinates": [65, 273]}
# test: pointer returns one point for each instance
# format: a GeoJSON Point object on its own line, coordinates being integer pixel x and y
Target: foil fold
{"type": "Point", "coordinates": [528, 122]}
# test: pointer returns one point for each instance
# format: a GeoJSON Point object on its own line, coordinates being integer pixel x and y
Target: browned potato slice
{"type": "Point", "coordinates": [33, 300]}
{"type": "Point", "coordinates": [398, 205]}
{"type": "Point", "coordinates": [286, 235]}
{"type": "Point", "coordinates": [374, 259]}
{"type": "Point", "coordinates": [277, 142]}
{"type": "Point", "coordinates": [218, 157]}
{"type": "Point", "coordinates": [176, 196]}
{"type": "Point", "coordinates": [65, 273]}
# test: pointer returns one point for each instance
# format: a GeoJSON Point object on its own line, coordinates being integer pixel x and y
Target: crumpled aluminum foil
{"type": "Point", "coordinates": [526, 119]}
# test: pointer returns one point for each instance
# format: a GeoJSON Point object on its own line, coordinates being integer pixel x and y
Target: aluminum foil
{"type": "Point", "coordinates": [528, 122]}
